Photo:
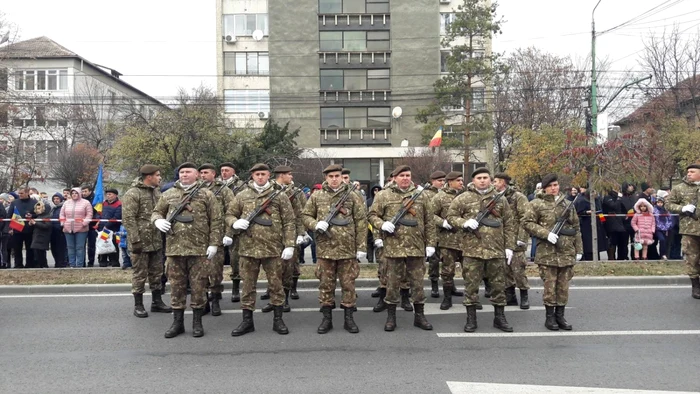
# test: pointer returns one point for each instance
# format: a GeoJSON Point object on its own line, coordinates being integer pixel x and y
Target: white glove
{"type": "Point", "coordinates": [287, 253]}
{"type": "Point", "coordinates": [228, 241]}
{"type": "Point", "coordinates": [307, 238]}
{"type": "Point", "coordinates": [388, 227]}
{"type": "Point", "coordinates": [690, 208]}
{"type": "Point", "coordinates": [578, 256]}
{"type": "Point", "coordinates": [163, 225]}
{"type": "Point", "coordinates": [429, 251]}
{"type": "Point", "coordinates": [300, 239]}
{"type": "Point", "coordinates": [472, 224]}
{"type": "Point", "coordinates": [211, 252]}
{"type": "Point", "coordinates": [552, 238]}
{"type": "Point", "coordinates": [521, 243]}
{"type": "Point", "coordinates": [241, 224]}
{"type": "Point", "coordinates": [321, 225]}
{"type": "Point", "coordinates": [446, 225]}
{"type": "Point", "coordinates": [360, 255]}
{"type": "Point", "coordinates": [378, 243]}
{"type": "Point", "coordinates": [509, 255]}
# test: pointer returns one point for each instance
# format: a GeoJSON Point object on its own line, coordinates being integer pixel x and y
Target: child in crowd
{"type": "Point", "coordinates": [644, 226]}
{"type": "Point", "coordinates": [126, 259]}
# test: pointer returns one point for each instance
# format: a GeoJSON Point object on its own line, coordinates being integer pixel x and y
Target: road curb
{"type": "Point", "coordinates": [586, 281]}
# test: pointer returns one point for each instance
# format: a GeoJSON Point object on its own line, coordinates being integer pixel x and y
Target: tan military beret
{"type": "Point", "coordinates": [453, 175]}
{"type": "Point", "coordinates": [400, 169]}
{"type": "Point", "coordinates": [282, 169]}
{"type": "Point", "coordinates": [148, 169]}
{"type": "Point", "coordinates": [437, 175]}
{"type": "Point", "coordinates": [332, 168]}
{"type": "Point", "coordinates": [259, 167]}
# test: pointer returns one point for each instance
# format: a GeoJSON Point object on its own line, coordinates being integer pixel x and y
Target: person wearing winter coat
{"type": "Point", "coordinates": [59, 250]}
{"type": "Point", "coordinates": [614, 226]}
{"type": "Point", "coordinates": [4, 233]}
{"type": "Point", "coordinates": [25, 208]}
{"type": "Point", "coordinates": [583, 209]}
{"type": "Point", "coordinates": [111, 209]}
{"type": "Point", "coordinates": [76, 214]}
{"type": "Point", "coordinates": [664, 224]}
{"type": "Point", "coordinates": [644, 225]}
{"type": "Point", "coordinates": [41, 236]}
{"type": "Point", "coordinates": [628, 199]}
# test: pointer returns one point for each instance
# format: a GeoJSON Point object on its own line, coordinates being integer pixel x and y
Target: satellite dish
{"type": "Point", "coordinates": [397, 112]}
{"type": "Point", "coordinates": [258, 35]}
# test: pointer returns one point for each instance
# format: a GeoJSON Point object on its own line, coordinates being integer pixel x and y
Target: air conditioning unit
{"type": "Point", "coordinates": [444, 1]}
{"type": "Point", "coordinates": [230, 39]}
{"type": "Point", "coordinates": [264, 115]}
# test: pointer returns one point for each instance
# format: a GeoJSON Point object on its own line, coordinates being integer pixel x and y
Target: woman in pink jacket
{"type": "Point", "coordinates": [75, 216]}
{"type": "Point", "coordinates": [644, 226]}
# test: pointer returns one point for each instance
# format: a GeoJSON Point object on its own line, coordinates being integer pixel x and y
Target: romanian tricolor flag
{"type": "Point", "coordinates": [437, 139]}
{"type": "Point", "coordinates": [104, 235]}
{"type": "Point", "coordinates": [99, 192]}
{"type": "Point", "coordinates": [16, 223]}
{"type": "Point", "coordinates": [601, 217]}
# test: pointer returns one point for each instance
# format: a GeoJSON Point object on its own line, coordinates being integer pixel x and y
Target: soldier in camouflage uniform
{"type": "Point", "coordinates": [265, 240]}
{"type": "Point", "coordinates": [449, 238]}
{"type": "Point", "coordinates": [406, 243]}
{"type": "Point", "coordinates": [340, 243]}
{"type": "Point", "coordinates": [144, 240]}
{"type": "Point", "coordinates": [515, 271]}
{"type": "Point", "coordinates": [192, 240]}
{"type": "Point", "coordinates": [485, 245]}
{"type": "Point", "coordinates": [224, 197]}
{"type": "Point", "coordinates": [683, 200]}
{"type": "Point", "coordinates": [437, 181]}
{"type": "Point", "coordinates": [556, 254]}
{"type": "Point", "coordinates": [229, 177]}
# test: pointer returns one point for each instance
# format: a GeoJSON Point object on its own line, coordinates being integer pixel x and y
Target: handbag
{"type": "Point", "coordinates": [104, 243]}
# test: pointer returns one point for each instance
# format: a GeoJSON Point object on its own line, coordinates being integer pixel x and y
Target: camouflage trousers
{"type": "Point", "coordinates": [400, 269]}
{"type": "Point", "coordinates": [146, 265]}
{"type": "Point", "coordinates": [291, 269]}
{"type": "Point", "coordinates": [515, 272]}
{"type": "Point", "coordinates": [434, 265]}
{"type": "Point", "coordinates": [182, 269]}
{"type": "Point", "coordinates": [556, 284]}
{"type": "Point", "coordinates": [449, 257]}
{"type": "Point", "coordinates": [327, 271]}
{"type": "Point", "coordinates": [381, 271]}
{"type": "Point", "coordinates": [475, 270]}
{"type": "Point", "coordinates": [691, 252]}
{"type": "Point", "coordinates": [231, 258]}
{"type": "Point", "coordinates": [216, 276]}
{"type": "Point", "coordinates": [250, 269]}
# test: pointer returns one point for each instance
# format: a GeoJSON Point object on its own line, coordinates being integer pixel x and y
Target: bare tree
{"type": "Point", "coordinates": [424, 162]}
{"type": "Point", "coordinates": [77, 165]}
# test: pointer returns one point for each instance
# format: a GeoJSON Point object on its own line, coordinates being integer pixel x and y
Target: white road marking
{"type": "Point", "coordinates": [496, 388]}
{"type": "Point", "coordinates": [565, 334]}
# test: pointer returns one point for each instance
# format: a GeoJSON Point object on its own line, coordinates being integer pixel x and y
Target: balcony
{"type": "Point", "coordinates": [370, 59]}
{"type": "Point", "coordinates": [340, 137]}
{"type": "Point", "coordinates": [330, 22]}
{"type": "Point", "coordinates": [359, 97]}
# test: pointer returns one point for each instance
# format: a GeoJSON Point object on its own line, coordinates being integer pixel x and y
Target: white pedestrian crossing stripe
{"type": "Point", "coordinates": [496, 388]}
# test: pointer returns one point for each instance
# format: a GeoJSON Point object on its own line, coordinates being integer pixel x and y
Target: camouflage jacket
{"type": "Point", "coordinates": [684, 194]}
{"type": "Point", "coordinates": [494, 240]}
{"type": "Point", "coordinates": [451, 239]}
{"type": "Point", "coordinates": [261, 241]}
{"type": "Point", "coordinates": [342, 242]}
{"type": "Point", "coordinates": [298, 203]}
{"type": "Point", "coordinates": [431, 192]}
{"type": "Point", "coordinates": [193, 238]}
{"type": "Point", "coordinates": [224, 198]}
{"type": "Point", "coordinates": [406, 241]}
{"type": "Point", "coordinates": [235, 183]}
{"type": "Point", "coordinates": [519, 205]}
{"type": "Point", "coordinates": [137, 206]}
{"type": "Point", "coordinates": [540, 218]}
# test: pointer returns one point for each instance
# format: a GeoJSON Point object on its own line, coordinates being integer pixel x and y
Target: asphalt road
{"type": "Point", "coordinates": [92, 343]}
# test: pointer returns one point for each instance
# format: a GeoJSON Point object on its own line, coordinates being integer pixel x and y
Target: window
{"type": "Point", "coordinates": [446, 19]}
{"type": "Point", "coordinates": [378, 40]}
{"type": "Point", "coordinates": [331, 118]}
{"type": "Point", "coordinates": [377, 6]}
{"type": "Point", "coordinates": [353, 6]}
{"type": "Point", "coordinates": [379, 117]}
{"type": "Point", "coordinates": [246, 101]}
{"type": "Point", "coordinates": [246, 63]}
{"type": "Point", "coordinates": [41, 79]}
{"type": "Point", "coordinates": [3, 79]}
{"type": "Point", "coordinates": [331, 41]}
{"type": "Point", "coordinates": [355, 80]}
{"type": "Point", "coordinates": [40, 116]}
{"type": "Point", "coordinates": [332, 80]}
{"type": "Point", "coordinates": [378, 80]}
{"type": "Point", "coordinates": [330, 6]}
{"type": "Point", "coordinates": [356, 118]}
{"type": "Point", "coordinates": [355, 41]}
{"type": "Point", "coordinates": [244, 24]}
{"type": "Point", "coordinates": [478, 103]}
{"type": "Point", "coordinates": [443, 61]}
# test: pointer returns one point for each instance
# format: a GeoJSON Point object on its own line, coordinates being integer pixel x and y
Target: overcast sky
{"type": "Point", "coordinates": [161, 45]}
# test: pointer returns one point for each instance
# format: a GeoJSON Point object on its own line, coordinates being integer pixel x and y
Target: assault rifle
{"type": "Point", "coordinates": [561, 220]}
{"type": "Point", "coordinates": [254, 216]}
{"type": "Point", "coordinates": [338, 208]}
{"type": "Point", "coordinates": [296, 193]}
{"type": "Point", "coordinates": [489, 209]}
{"type": "Point", "coordinates": [408, 207]}
{"type": "Point", "coordinates": [184, 204]}
{"type": "Point", "coordinates": [239, 188]}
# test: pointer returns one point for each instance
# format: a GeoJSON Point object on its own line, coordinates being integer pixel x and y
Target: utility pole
{"type": "Point", "coordinates": [594, 130]}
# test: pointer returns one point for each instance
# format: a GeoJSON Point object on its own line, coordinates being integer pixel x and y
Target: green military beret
{"type": "Point", "coordinates": [504, 176]}
{"type": "Point", "coordinates": [187, 164]}
{"type": "Point", "coordinates": [207, 166]}
{"type": "Point", "coordinates": [346, 171]}
{"type": "Point", "coordinates": [259, 167]}
{"type": "Point", "coordinates": [332, 168]}
{"type": "Point", "coordinates": [437, 175]}
{"type": "Point", "coordinates": [453, 175]}
{"type": "Point", "coordinates": [148, 169]}
{"type": "Point", "coordinates": [400, 169]}
{"type": "Point", "coordinates": [695, 166]}
{"type": "Point", "coordinates": [282, 169]}
{"type": "Point", "coordinates": [548, 179]}
{"type": "Point", "coordinates": [227, 164]}
{"type": "Point", "coordinates": [481, 170]}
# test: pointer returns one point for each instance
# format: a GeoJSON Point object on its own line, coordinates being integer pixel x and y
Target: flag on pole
{"type": "Point", "coordinates": [16, 223]}
{"type": "Point", "coordinates": [437, 139]}
{"type": "Point", "coordinates": [99, 192]}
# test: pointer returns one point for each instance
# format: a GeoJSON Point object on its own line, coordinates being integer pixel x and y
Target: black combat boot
{"type": "Point", "coordinates": [350, 325]}
{"type": "Point", "coordinates": [139, 310]}
{"type": "Point", "coordinates": [499, 319]}
{"type": "Point", "coordinates": [215, 307]}
{"type": "Point", "coordinates": [277, 323]}
{"type": "Point", "coordinates": [178, 326]}
{"type": "Point", "coordinates": [197, 329]}
{"type": "Point", "coordinates": [511, 299]}
{"type": "Point", "coordinates": [456, 292]}
{"type": "Point", "coordinates": [487, 288]}
{"type": "Point", "coordinates": [246, 326]}
{"type": "Point", "coordinates": [471, 319]}
{"type": "Point", "coordinates": [550, 322]}
{"type": "Point", "coordinates": [294, 294]}
{"type": "Point", "coordinates": [286, 307]}
{"type": "Point", "coordinates": [696, 287]}
{"type": "Point", "coordinates": [406, 301]}
{"type": "Point", "coordinates": [266, 295]}
{"type": "Point", "coordinates": [207, 307]}
{"type": "Point", "coordinates": [267, 308]}
{"type": "Point", "coordinates": [157, 304]}
{"type": "Point", "coordinates": [434, 292]}
{"type": "Point", "coordinates": [447, 300]}
{"type": "Point", "coordinates": [524, 299]}
{"type": "Point", "coordinates": [479, 306]}
{"type": "Point", "coordinates": [381, 305]}
{"type": "Point", "coordinates": [390, 324]}
{"type": "Point", "coordinates": [375, 294]}
{"type": "Point", "coordinates": [327, 322]}
{"type": "Point", "coordinates": [419, 319]}
{"type": "Point", "coordinates": [235, 292]}
{"type": "Point", "coordinates": [559, 317]}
